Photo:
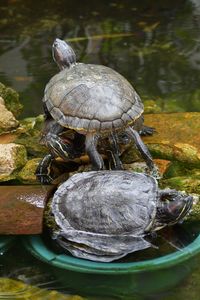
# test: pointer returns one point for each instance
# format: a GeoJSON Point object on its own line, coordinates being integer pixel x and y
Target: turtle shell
{"type": "Point", "coordinates": [92, 98]}
{"type": "Point", "coordinates": [107, 211]}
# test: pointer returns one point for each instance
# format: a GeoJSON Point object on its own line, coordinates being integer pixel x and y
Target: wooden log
{"type": "Point", "coordinates": [21, 208]}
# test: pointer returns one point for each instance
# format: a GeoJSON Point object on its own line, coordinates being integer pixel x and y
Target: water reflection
{"type": "Point", "coordinates": [160, 56]}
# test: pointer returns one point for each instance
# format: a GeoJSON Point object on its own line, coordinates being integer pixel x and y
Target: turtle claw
{"type": "Point", "coordinates": [154, 172]}
{"type": "Point", "coordinates": [146, 131]}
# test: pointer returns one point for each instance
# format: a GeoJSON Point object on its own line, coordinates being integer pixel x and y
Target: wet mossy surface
{"type": "Point", "coordinates": [15, 289]}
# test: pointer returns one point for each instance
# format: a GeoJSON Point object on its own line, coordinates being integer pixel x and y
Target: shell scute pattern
{"type": "Point", "coordinates": [106, 204]}
{"type": "Point", "coordinates": [83, 92]}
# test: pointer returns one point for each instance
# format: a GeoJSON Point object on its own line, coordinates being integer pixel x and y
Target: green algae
{"type": "Point", "coordinates": [14, 289]}
{"type": "Point", "coordinates": [190, 183]}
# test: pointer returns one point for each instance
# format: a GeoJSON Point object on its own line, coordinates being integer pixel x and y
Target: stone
{"type": "Point", "coordinates": [162, 165]}
{"type": "Point", "coordinates": [189, 183]}
{"type": "Point", "coordinates": [21, 208]}
{"type": "Point", "coordinates": [12, 158]}
{"type": "Point", "coordinates": [7, 119]}
{"type": "Point", "coordinates": [177, 169]}
{"type": "Point", "coordinates": [194, 215]}
{"type": "Point", "coordinates": [29, 135]}
{"type": "Point", "coordinates": [27, 173]}
{"type": "Point", "coordinates": [11, 98]}
{"type": "Point", "coordinates": [15, 289]}
{"type": "Point", "coordinates": [130, 154]}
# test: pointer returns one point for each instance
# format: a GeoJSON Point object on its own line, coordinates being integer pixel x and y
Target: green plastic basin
{"type": "Point", "coordinates": [117, 279]}
{"type": "Point", "coordinates": [5, 243]}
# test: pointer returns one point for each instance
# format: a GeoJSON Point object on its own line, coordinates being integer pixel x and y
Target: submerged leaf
{"type": "Point", "coordinates": [101, 36]}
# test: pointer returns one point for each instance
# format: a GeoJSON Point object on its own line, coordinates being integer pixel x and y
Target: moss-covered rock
{"type": "Point", "coordinates": [130, 155]}
{"type": "Point", "coordinates": [29, 136]}
{"type": "Point", "coordinates": [177, 169]}
{"type": "Point", "coordinates": [12, 158]}
{"type": "Point", "coordinates": [189, 183]}
{"type": "Point", "coordinates": [194, 215]}
{"type": "Point", "coordinates": [7, 119]}
{"type": "Point", "coordinates": [14, 289]}
{"type": "Point", "coordinates": [11, 98]}
{"type": "Point", "coordinates": [177, 137]}
{"type": "Point", "coordinates": [162, 165]}
{"type": "Point", "coordinates": [27, 173]}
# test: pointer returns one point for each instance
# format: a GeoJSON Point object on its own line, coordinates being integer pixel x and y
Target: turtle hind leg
{"type": "Point", "coordinates": [114, 154]}
{"type": "Point", "coordinates": [91, 149]}
{"type": "Point", "coordinates": [133, 134]}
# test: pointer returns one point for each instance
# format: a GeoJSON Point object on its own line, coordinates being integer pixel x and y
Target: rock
{"type": "Point", "coordinates": [177, 137]}
{"type": "Point", "coordinates": [12, 158]}
{"type": "Point", "coordinates": [27, 173]}
{"type": "Point", "coordinates": [189, 183]}
{"type": "Point", "coordinates": [162, 165]}
{"type": "Point", "coordinates": [194, 215]}
{"type": "Point", "coordinates": [7, 119]}
{"type": "Point", "coordinates": [59, 171]}
{"type": "Point", "coordinates": [130, 155]}
{"type": "Point", "coordinates": [14, 289]}
{"type": "Point", "coordinates": [177, 169]}
{"type": "Point", "coordinates": [21, 209]}
{"type": "Point", "coordinates": [11, 99]}
{"type": "Point", "coordinates": [29, 136]}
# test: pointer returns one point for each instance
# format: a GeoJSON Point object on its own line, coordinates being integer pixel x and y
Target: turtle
{"type": "Point", "coordinates": [104, 215]}
{"type": "Point", "coordinates": [96, 102]}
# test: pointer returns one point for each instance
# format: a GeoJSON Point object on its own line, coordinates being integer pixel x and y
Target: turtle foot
{"type": "Point", "coordinates": [154, 172]}
{"type": "Point", "coordinates": [44, 178]}
{"type": "Point", "coordinates": [146, 130]}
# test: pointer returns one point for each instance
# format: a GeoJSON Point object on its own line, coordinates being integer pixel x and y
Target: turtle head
{"type": "Point", "coordinates": [173, 210]}
{"type": "Point", "coordinates": [63, 54]}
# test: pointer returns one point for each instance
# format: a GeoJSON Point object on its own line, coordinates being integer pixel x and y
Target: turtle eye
{"type": "Point", "coordinates": [55, 44]}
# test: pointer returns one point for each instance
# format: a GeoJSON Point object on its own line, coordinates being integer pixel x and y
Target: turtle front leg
{"type": "Point", "coordinates": [91, 149]}
{"type": "Point", "coordinates": [143, 150]}
{"type": "Point", "coordinates": [44, 169]}
{"type": "Point", "coordinates": [58, 147]}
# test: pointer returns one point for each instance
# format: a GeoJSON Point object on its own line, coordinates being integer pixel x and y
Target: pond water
{"type": "Point", "coordinates": [155, 45]}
